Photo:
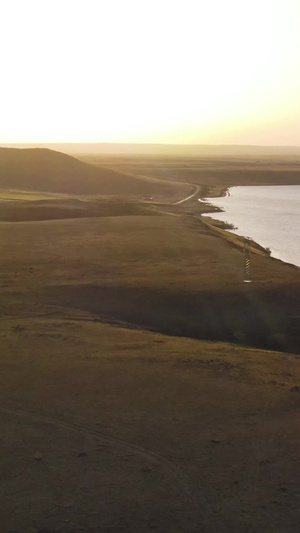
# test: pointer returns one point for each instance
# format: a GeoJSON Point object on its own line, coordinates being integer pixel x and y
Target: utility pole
{"type": "Point", "coordinates": [247, 255]}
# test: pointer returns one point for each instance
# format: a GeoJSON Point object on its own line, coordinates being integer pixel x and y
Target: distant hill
{"type": "Point", "coordinates": [193, 150]}
{"type": "Point", "coordinates": [41, 169]}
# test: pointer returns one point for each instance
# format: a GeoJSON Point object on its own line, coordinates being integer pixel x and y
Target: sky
{"type": "Point", "coordinates": [150, 71]}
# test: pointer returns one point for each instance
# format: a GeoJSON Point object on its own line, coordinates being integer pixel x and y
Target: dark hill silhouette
{"type": "Point", "coordinates": [41, 169]}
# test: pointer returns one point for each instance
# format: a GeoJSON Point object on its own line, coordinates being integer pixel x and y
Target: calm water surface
{"type": "Point", "coordinates": [269, 215]}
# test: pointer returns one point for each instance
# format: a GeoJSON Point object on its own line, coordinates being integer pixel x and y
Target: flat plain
{"type": "Point", "coordinates": [144, 386]}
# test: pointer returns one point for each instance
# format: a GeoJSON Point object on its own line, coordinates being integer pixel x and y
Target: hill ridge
{"type": "Point", "coordinates": [46, 170]}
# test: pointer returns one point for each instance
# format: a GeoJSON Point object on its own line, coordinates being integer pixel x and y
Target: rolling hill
{"type": "Point", "coordinates": [40, 169]}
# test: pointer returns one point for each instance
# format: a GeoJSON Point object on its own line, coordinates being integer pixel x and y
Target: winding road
{"type": "Point", "coordinates": [196, 191]}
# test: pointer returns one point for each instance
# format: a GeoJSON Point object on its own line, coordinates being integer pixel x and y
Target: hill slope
{"type": "Point", "coordinates": [41, 169]}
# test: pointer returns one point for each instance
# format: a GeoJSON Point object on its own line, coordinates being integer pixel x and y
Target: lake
{"type": "Point", "coordinates": [269, 215]}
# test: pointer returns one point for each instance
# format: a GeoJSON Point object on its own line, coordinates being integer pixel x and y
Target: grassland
{"type": "Point", "coordinates": [140, 389]}
{"type": "Point", "coordinates": [209, 172]}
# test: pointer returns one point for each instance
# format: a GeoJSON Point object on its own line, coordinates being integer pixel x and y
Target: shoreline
{"type": "Point", "coordinates": [226, 229]}
{"type": "Point", "coordinates": [214, 191]}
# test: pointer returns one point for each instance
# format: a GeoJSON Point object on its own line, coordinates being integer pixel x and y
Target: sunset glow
{"type": "Point", "coordinates": [193, 72]}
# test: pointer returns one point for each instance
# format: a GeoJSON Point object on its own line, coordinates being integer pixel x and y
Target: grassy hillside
{"type": "Point", "coordinates": [170, 274]}
{"type": "Point", "coordinates": [113, 419]}
{"type": "Point", "coordinates": [46, 170]}
{"type": "Point", "coordinates": [108, 427]}
{"type": "Point", "coordinates": [112, 429]}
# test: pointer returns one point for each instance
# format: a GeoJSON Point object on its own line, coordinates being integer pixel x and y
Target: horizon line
{"type": "Point", "coordinates": [152, 144]}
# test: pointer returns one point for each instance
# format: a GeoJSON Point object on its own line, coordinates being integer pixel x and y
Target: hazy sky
{"type": "Point", "coordinates": [162, 71]}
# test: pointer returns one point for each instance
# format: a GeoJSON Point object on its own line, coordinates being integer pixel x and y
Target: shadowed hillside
{"type": "Point", "coordinates": [46, 170]}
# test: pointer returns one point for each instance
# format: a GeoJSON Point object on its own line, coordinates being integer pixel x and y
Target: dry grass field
{"type": "Point", "coordinates": [107, 428]}
{"type": "Point", "coordinates": [210, 171]}
{"type": "Point", "coordinates": [42, 170]}
{"type": "Point", "coordinates": [144, 386]}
